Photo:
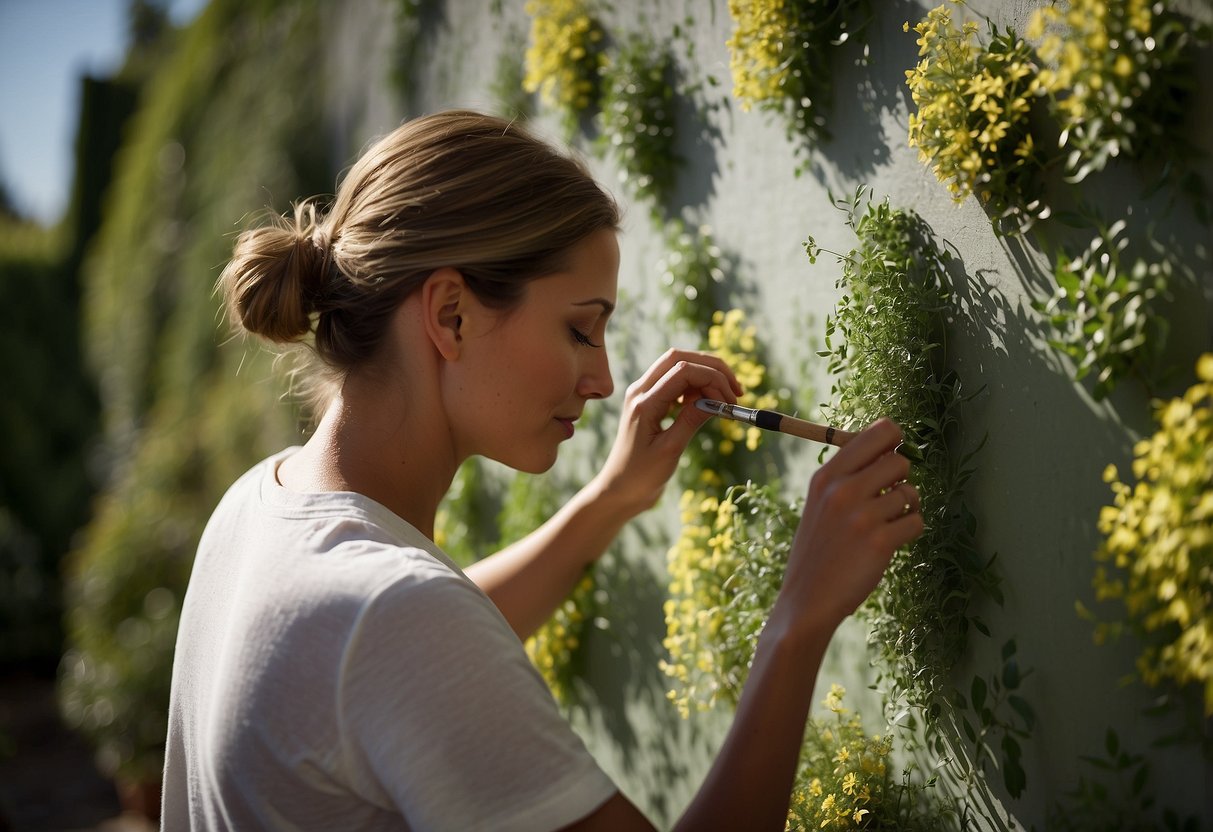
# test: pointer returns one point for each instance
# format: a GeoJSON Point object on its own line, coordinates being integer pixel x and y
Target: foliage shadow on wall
{"type": "Point", "coordinates": [1004, 342]}
{"type": "Point", "coordinates": [866, 90]}
{"type": "Point", "coordinates": [697, 141]}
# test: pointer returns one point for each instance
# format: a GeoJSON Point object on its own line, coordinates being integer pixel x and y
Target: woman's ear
{"type": "Point", "coordinates": [443, 298]}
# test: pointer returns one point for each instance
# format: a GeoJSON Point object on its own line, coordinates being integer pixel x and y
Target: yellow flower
{"type": "Point", "coordinates": [849, 782]}
{"type": "Point", "coordinates": [1157, 555]}
{"type": "Point", "coordinates": [972, 102]}
{"type": "Point", "coordinates": [760, 41]}
{"type": "Point", "coordinates": [562, 59]}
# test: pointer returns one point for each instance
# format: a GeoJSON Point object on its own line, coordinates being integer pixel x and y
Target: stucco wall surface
{"type": "Point", "coordinates": [1037, 490]}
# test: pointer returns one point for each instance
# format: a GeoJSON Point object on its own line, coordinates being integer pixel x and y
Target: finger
{"type": "Point", "coordinates": [883, 473]}
{"type": "Point", "coordinates": [672, 357]}
{"type": "Point", "coordinates": [898, 501]}
{"type": "Point", "coordinates": [682, 381]}
{"type": "Point", "coordinates": [902, 530]}
{"type": "Point", "coordinates": [686, 380]}
{"type": "Point", "coordinates": [877, 439]}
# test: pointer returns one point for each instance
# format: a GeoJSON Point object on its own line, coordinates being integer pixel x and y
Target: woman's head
{"type": "Point", "coordinates": [455, 189]}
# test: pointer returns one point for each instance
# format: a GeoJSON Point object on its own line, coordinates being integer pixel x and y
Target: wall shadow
{"type": "Point", "coordinates": [866, 91]}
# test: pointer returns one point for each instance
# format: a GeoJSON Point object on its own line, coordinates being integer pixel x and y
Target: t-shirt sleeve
{"type": "Point", "coordinates": [444, 718]}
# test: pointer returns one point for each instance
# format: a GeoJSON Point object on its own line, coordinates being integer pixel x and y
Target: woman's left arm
{"type": "Point", "coordinates": [529, 579]}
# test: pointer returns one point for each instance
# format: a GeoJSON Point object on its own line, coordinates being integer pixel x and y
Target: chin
{"type": "Point", "coordinates": [536, 463]}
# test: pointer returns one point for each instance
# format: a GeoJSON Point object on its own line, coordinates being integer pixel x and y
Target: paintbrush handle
{"type": "Point", "coordinates": [818, 433]}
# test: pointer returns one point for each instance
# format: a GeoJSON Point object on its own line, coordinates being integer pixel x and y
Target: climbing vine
{"type": "Point", "coordinates": [884, 343]}
{"type": "Point", "coordinates": [1105, 311]}
{"type": "Point", "coordinates": [637, 119]}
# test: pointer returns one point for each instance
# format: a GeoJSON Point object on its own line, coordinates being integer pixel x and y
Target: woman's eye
{"type": "Point", "coordinates": [581, 338]}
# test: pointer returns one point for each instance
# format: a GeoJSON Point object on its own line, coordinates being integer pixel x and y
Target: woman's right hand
{"type": "Point", "coordinates": [647, 448]}
{"type": "Point", "coordinates": [860, 510]}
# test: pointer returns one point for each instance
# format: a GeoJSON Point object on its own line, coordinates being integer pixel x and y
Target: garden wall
{"type": "Point", "coordinates": [1036, 488]}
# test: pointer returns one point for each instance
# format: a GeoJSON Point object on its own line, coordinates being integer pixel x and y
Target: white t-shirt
{"type": "Point", "coordinates": [335, 670]}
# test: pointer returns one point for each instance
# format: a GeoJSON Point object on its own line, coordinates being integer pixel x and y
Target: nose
{"type": "Point", "coordinates": [595, 381]}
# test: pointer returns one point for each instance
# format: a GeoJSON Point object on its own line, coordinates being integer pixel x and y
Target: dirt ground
{"type": "Point", "coordinates": [47, 779]}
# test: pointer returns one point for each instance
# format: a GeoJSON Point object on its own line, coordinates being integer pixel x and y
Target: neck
{"type": "Point", "coordinates": [398, 455]}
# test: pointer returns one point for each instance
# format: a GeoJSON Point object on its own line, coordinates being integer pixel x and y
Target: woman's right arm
{"type": "Point", "coordinates": [859, 511]}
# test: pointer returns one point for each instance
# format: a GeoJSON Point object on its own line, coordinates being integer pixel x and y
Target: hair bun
{"type": "Point", "coordinates": [276, 277]}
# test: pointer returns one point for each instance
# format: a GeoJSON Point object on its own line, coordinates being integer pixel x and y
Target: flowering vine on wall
{"type": "Point", "coordinates": [1118, 77]}
{"type": "Point", "coordinates": [780, 56]}
{"type": "Point", "coordinates": [1109, 74]}
{"type": "Point", "coordinates": [973, 101]}
{"type": "Point", "coordinates": [704, 555]}
{"type": "Point", "coordinates": [1157, 554]}
{"type": "Point", "coordinates": [564, 58]}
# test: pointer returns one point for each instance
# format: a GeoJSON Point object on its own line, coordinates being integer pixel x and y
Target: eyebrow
{"type": "Point", "coordinates": [607, 306]}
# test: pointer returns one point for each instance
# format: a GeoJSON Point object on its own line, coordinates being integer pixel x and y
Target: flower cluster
{"type": "Point", "coordinates": [564, 57]}
{"type": "Point", "coordinates": [844, 778]}
{"type": "Point", "coordinates": [1104, 313]}
{"type": "Point", "coordinates": [726, 570]}
{"type": "Point", "coordinates": [736, 343]}
{"type": "Point", "coordinates": [760, 50]}
{"type": "Point", "coordinates": [700, 562]}
{"type": "Point", "coordinates": [971, 125]}
{"type": "Point", "coordinates": [710, 461]}
{"type": "Point", "coordinates": [553, 648]}
{"type": "Point", "coordinates": [705, 555]}
{"type": "Point", "coordinates": [638, 118]}
{"type": "Point", "coordinates": [1157, 556]}
{"type": "Point", "coordinates": [1115, 74]}
{"type": "Point", "coordinates": [780, 54]}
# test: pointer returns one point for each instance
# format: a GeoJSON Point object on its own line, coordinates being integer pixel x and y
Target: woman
{"type": "Point", "coordinates": [334, 669]}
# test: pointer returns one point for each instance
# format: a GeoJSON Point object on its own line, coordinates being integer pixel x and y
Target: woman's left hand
{"type": "Point", "coordinates": [645, 454]}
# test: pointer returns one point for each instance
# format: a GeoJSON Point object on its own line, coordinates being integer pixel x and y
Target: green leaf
{"type": "Point", "coordinates": [1010, 674]}
{"type": "Point", "coordinates": [1022, 708]}
{"type": "Point", "coordinates": [1140, 779]}
{"type": "Point", "coordinates": [968, 729]}
{"type": "Point", "coordinates": [978, 693]}
{"type": "Point", "coordinates": [1014, 778]}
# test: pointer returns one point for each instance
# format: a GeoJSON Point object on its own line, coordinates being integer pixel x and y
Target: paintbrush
{"type": "Point", "coordinates": [772, 420]}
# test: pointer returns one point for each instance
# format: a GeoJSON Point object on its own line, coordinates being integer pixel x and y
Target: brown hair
{"type": "Point", "coordinates": [456, 188]}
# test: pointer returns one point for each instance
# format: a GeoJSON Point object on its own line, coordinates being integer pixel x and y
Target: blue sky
{"type": "Point", "coordinates": [45, 48]}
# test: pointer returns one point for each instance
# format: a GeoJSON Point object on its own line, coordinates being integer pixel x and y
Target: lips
{"type": "Point", "coordinates": [567, 423]}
